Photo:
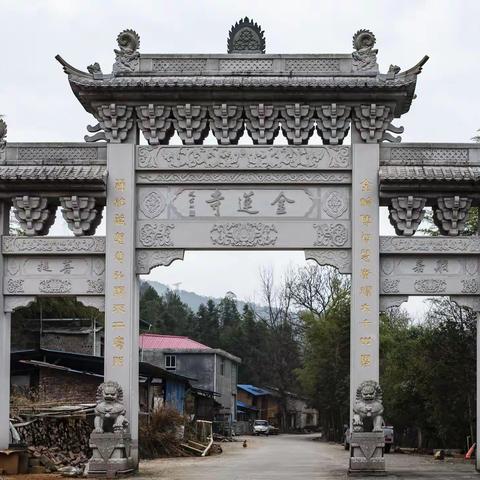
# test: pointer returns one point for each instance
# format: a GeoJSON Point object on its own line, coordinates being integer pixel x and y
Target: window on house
{"type": "Point", "coordinates": [222, 366]}
{"type": "Point", "coordinates": [170, 362]}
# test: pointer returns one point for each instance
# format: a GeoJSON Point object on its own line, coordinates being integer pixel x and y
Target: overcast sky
{"type": "Point", "coordinates": [39, 106]}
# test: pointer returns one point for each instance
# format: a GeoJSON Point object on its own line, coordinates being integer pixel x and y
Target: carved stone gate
{"type": "Point", "coordinates": [162, 200]}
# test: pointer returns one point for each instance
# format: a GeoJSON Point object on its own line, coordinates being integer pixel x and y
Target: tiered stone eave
{"type": "Point", "coordinates": [203, 79]}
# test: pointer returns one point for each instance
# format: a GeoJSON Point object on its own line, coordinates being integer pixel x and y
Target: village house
{"type": "Point", "coordinates": [210, 369]}
{"type": "Point", "coordinates": [69, 378]}
{"type": "Point", "coordinates": [258, 403]}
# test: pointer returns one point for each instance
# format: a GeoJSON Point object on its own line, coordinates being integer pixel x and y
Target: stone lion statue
{"type": "Point", "coordinates": [110, 411]}
{"type": "Point", "coordinates": [368, 408]}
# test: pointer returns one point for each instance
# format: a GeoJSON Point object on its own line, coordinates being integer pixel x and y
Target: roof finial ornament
{"type": "Point", "coordinates": [127, 59]}
{"type": "Point", "coordinates": [246, 36]}
{"type": "Point", "coordinates": [3, 138]}
{"type": "Point", "coordinates": [364, 56]}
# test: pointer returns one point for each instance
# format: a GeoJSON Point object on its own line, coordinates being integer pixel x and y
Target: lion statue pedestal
{"type": "Point", "coordinates": [367, 440]}
{"type": "Point", "coordinates": [110, 441]}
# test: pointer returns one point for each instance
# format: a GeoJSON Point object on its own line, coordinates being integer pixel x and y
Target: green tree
{"type": "Point", "coordinates": [208, 324]}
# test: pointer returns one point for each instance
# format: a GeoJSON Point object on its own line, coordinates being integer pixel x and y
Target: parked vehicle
{"type": "Point", "coordinates": [388, 433]}
{"type": "Point", "coordinates": [261, 427]}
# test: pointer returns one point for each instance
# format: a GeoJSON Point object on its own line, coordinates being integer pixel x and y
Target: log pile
{"type": "Point", "coordinates": [56, 437]}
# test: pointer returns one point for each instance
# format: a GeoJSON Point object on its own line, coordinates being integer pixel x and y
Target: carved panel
{"type": "Point", "coordinates": [333, 123]}
{"type": "Point", "coordinates": [430, 245]}
{"type": "Point", "coordinates": [406, 214]}
{"type": "Point", "coordinates": [55, 275]}
{"type": "Point", "coordinates": [55, 286]}
{"type": "Point", "coordinates": [245, 65]}
{"type": "Point", "coordinates": [244, 234]}
{"type": "Point", "coordinates": [179, 65]}
{"type": "Point", "coordinates": [16, 245]}
{"type": "Point", "coordinates": [156, 235]}
{"type": "Point", "coordinates": [244, 158]}
{"type": "Point", "coordinates": [312, 64]}
{"type": "Point", "coordinates": [340, 259]}
{"type": "Point", "coordinates": [34, 154]}
{"type": "Point", "coordinates": [211, 233]}
{"type": "Point", "coordinates": [34, 214]}
{"type": "Point", "coordinates": [297, 123]}
{"type": "Point", "coordinates": [169, 203]}
{"type": "Point", "coordinates": [425, 155]}
{"type": "Point", "coordinates": [152, 203]}
{"type": "Point", "coordinates": [190, 122]}
{"type": "Point", "coordinates": [155, 123]}
{"type": "Point", "coordinates": [226, 123]}
{"type": "Point", "coordinates": [149, 259]}
{"type": "Point", "coordinates": [430, 286]}
{"type": "Point", "coordinates": [331, 234]}
{"type": "Point", "coordinates": [334, 204]}
{"type": "Point", "coordinates": [446, 274]}
{"type": "Point", "coordinates": [262, 123]}
{"type": "Point", "coordinates": [181, 178]}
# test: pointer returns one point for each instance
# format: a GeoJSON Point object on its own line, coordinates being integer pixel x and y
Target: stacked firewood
{"type": "Point", "coordinates": [55, 441]}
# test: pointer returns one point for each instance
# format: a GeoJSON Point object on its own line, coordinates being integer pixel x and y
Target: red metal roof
{"type": "Point", "coordinates": [150, 341]}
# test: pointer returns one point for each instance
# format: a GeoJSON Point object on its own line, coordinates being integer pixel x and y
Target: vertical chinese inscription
{"type": "Point", "coordinates": [121, 302]}
{"type": "Point", "coordinates": [365, 266]}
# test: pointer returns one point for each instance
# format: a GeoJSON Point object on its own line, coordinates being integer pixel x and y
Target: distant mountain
{"type": "Point", "coordinates": [192, 299]}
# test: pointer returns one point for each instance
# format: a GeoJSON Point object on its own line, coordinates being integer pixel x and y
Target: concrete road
{"type": "Point", "coordinates": [295, 457]}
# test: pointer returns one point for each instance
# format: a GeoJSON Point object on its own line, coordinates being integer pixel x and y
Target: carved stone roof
{"type": "Point", "coordinates": [46, 173]}
{"type": "Point", "coordinates": [235, 76]}
{"type": "Point", "coordinates": [429, 174]}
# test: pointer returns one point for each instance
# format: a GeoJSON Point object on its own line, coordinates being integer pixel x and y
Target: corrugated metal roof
{"type": "Point", "coordinates": [256, 391]}
{"type": "Point", "coordinates": [150, 341]}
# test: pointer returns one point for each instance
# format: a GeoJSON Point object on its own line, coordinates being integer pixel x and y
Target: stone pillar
{"type": "Point", "coordinates": [364, 316]}
{"type": "Point", "coordinates": [477, 435]}
{"type": "Point", "coordinates": [5, 340]}
{"type": "Point", "coordinates": [5, 329]}
{"type": "Point", "coordinates": [121, 282]}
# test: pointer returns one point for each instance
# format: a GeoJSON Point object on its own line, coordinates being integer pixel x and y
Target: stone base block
{"type": "Point", "coordinates": [110, 455]}
{"type": "Point", "coordinates": [366, 453]}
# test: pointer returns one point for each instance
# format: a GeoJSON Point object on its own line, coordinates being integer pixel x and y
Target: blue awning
{"type": "Point", "coordinates": [243, 406]}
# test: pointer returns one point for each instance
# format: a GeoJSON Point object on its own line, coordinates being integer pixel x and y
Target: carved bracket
{"type": "Point", "coordinates": [262, 123]}
{"type": "Point", "coordinates": [470, 302]}
{"type": "Point", "coordinates": [115, 121]}
{"type": "Point", "coordinates": [450, 214]}
{"type": "Point", "coordinates": [155, 123]}
{"type": "Point", "coordinates": [191, 123]}
{"type": "Point", "coordinates": [226, 123]}
{"type": "Point", "coordinates": [390, 301]}
{"type": "Point", "coordinates": [298, 123]}
{"type": "Point", "coordinates": [406, 214]}
{"type": "Point", "coordinates": [333, 123]}
{"type": "Point", "coordinates": [81, 215]}
{"type": "Point", "coordinates": [372, 121]}
{"type": "Point", "coordinates": [11, 303]}
{"type": "Point", "coordinates": [340, 259]}
{"type": "Point", "coordinates": [34, 214]}
{"type": "Point", "coordinates": [97, 301]}
{"type": "Point", "coordinates": [148, 259]}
